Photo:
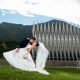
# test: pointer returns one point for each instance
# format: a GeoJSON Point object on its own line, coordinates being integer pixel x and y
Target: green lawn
{"type": "Point", "coordinates": [8, 73]}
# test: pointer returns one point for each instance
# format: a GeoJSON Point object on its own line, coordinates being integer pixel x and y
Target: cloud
{"type": "Point", "coordinates": [64, 9]}
{"type": "Point", "coordinates": [3, 14]}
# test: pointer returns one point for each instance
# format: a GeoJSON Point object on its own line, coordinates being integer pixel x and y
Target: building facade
{"type": "Point", "coordinates": [60, 38]}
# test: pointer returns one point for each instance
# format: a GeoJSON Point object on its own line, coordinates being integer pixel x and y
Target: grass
{"type": "Point", "coordinates": [8, 73]}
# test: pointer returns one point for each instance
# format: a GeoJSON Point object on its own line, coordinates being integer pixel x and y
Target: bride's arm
{"type": "Point", "coordinates": [30, 49]}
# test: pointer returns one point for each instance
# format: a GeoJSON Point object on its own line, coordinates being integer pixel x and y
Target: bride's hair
{"type": "Point", "coordinates": [37, 43]}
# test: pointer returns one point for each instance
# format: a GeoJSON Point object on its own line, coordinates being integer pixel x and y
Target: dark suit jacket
{"type": "Point", "coordinates": [23, 43]}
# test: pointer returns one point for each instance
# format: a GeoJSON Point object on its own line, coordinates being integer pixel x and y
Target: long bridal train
{"type": "Point", "coordinates": [42, 55]}
{"type": "Point", "coordinates": [16, 59]}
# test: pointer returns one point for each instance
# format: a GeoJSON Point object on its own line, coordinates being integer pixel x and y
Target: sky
{"type": "Point", "coordinates": [33, 11]}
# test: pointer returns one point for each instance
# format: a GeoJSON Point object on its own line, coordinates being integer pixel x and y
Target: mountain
{"type": "Point", "coordinates": [14, 32]}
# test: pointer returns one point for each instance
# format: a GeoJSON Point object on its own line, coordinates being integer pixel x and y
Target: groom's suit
{"type": "Point", "coordinates": [23, 43]}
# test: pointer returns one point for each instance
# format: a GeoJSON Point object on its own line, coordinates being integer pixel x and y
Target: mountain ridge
{"type": "Point", "coordinates": [15, 32]}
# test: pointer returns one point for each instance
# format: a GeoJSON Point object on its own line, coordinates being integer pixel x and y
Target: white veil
{"type": "Point", "coordinates": [42, 55]}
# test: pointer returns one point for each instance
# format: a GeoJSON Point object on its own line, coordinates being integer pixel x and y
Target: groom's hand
{"type": "Point", "coordinates": [17, 50]}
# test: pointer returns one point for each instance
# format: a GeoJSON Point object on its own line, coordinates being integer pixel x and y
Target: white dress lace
{"type": "Point", "coordinates": [16, 59]}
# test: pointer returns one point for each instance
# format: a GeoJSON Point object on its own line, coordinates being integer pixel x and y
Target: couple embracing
{"type": "Point", "coordinates": [21, 56]}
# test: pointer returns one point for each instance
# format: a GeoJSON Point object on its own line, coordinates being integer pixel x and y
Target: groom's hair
{"type": "Point", "coordinates": [33, 38]}
{"type": "Point", "coordinates": [37, 44]}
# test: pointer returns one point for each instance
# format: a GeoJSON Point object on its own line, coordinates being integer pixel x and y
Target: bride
{"type": "Point", "coordinates": [23, 60]}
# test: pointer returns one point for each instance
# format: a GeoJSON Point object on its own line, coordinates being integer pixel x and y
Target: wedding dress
{"type": "Point", "coordinates": [42, 55]}
{"type": "Point", "coordinates": [16, 59]}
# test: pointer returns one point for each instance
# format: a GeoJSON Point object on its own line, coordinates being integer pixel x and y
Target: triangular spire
{"type": "Point", "coordinates": [48, 27]}
{"type": "Point", "coordinates": [33, 29]}
{"type": "Point", "coordinates": [43, 39]}
{"type": "Point", "coordinates": [41, 28]}
{"type": "Point", "coordinates": [71, 28]}
{"type": "Point", "coordinates": [56, 27]}
{"type": "Point", "coordinates": [52, 27]}
{"type": "Point", "coordinates": [67, 29]}
{"type": "Point", "coordinates": [39, 37]}
{"type": "Point", "coordinates": [63, 28]}
{"type": "Point", "coordinates": [59, 26]}
{"type": "Point", "coordinates": [45, 27]}
{"type": "Point", "coordinates": [37, 27]}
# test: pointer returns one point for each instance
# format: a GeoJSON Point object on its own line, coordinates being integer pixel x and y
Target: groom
{"type": "Point", "coordinates": [25, 42]}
